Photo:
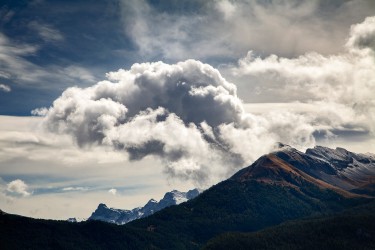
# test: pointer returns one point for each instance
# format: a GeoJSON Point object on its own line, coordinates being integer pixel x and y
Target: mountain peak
{"type": "Point", "coordinates": [120, 216]}
{"type": "Point", "coordinates": [337, 169]}
{"type": "Point", "coordinates": [102, 205]}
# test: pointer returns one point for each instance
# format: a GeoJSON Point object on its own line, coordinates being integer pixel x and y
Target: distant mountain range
{"type": "Point", "coordinates": [281, 186]}
{"type": "Point", "coordinates": [122, 216]}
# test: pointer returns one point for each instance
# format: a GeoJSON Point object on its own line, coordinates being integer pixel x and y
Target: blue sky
{"type": "Point", "coordinates": [148, 96]}
{"type": "Point", "coordinates": [83, 34]}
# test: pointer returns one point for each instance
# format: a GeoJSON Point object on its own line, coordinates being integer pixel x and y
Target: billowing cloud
{"type": "Point", "coordinates": [18, 188]}
{"type": "Point", "coordinates": [186, 114]}
{"type": "Point", "coordinates": [5, 88]}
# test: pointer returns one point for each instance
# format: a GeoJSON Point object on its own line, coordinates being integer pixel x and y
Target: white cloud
{"type": "Point", "coordinates": [343, 82]}
{"type": "Point", "coordinates": [74, 189]}
{"type": "Point", "coordinates": [77, 72]}
{"type": "Point", "coordinates": [186, 114]}
{"type": "Point", "coordinates": [112, 191]}
{"type": "Point", "coordinates": [18, 187]}
{"type": "Point", "coordinates": [5, 88]}
{"type": "Point", "coordinates": [46, 31]}
{"type": "Point", "coordinates": [362, 35]}
{"type": "Point", "coordinates": [16, 67]}
{"type": "Point", "coordinates": [12, 61]}
{"type": "Point", "coordinates": [227, 8]}
{"type": "Point", "coordinates": [39, 111]}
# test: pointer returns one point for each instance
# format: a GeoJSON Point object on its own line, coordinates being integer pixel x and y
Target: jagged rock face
{"type": "Point", "coordinates": [121, 216]}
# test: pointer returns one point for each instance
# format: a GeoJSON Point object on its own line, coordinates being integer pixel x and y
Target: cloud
{"type": "Point", "coordinates": [18, 187]}
{"type": "Point", "coordinates": [186, 114]}
{"type": "Point", "coordinates": [46, 31]}
{"type": "Point", "coordinates": [74, 189]}
{"type": "Point", "coordinates": [343, 82]}
{"type": "Point", "coordinates": [12, 60]}
{"type": "Point", "coordinates": [5, 88]}
{"type": "Point", "coordinates": [227, 29]}
{"type": "Point", "coordinates": [18, 68]}
{"type": "Point", "coordinates": [39, 111]}
{"type": "Point", "coordinates": [6, 15]}
{"type": "Point", "coordinates": [227, 8]}
{"type": "Point", "coordinates": [77, 72]}
{"type": "Point", "coordinates": [112, 191]}
{"type": "Point", "coordinates": [362, 35]}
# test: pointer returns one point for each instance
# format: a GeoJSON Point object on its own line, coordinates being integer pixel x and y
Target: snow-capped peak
{"type": "Point", "coordinates": [120, 216]}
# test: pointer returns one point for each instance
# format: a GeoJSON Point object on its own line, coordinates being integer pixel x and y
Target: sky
{"type": "Point", "coordinates": [120, 101]}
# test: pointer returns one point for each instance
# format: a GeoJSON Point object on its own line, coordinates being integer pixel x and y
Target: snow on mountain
{"type": "Point", "coordinates": [75, 220]}
{"type": "Point", "coordinates": [339, 167]}
{"type": "Point", "coordinates": [123, 216]}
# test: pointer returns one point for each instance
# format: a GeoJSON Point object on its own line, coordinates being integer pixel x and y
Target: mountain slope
{"type": "Point", "coordinates": [353, 229]}
{"type": "Point", "coordinates": [122, 216]}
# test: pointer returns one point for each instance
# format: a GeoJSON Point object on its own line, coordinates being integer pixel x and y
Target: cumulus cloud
{"type": "Point", "coordinates": [5, 88]}
{"type": "Point", "coordinates": [186, 114]}
{"type": "Point", "coordinates": [18, 188]}
{"type": "Point", "coordinates": [112, 191]}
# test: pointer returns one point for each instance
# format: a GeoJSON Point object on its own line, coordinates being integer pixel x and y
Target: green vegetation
{"type": "Point", "coordinates": [354, 229]}
{"type": "Point", "coordinates": [235, 206]}
{"type": "Point", "coordinates": [18, 232]}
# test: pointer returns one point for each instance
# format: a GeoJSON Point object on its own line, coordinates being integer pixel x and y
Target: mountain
{"type": "Point", "coordinates": [122, 216]}
{"type": "Point", "coordinates": [338, 167]}
{"type": "Point", "coordinates": [281, 186]}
